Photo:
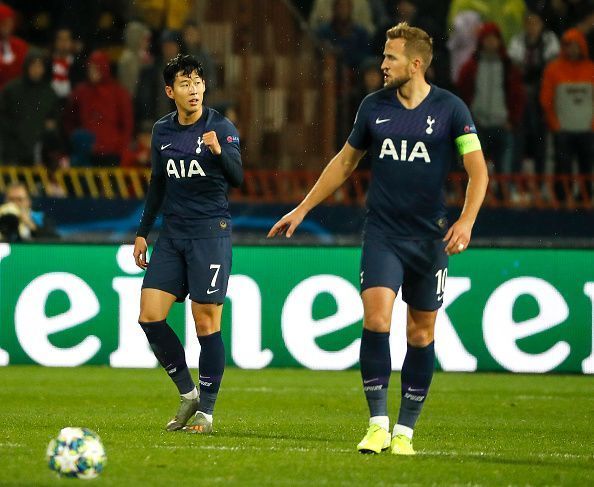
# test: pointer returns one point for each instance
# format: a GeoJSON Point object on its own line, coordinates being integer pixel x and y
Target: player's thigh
{"type": "Point", "coordinates": [167, 269]}
{"type": "Point", "coordinates": [380, 266]}
{"type": "Point", "coordinates": [207, 317]}
{"type": "Point", "coordinates": [426, 271]}
{"type": "Point", "coordinates": [154, 305]}
{"type": "Point", "coordinates": [208, 269]}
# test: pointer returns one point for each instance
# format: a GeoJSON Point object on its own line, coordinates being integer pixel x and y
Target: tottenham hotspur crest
{"type": "Point", "coordinates": [430, 122]}
{"type": "Point", "coordinates": [199, 148]}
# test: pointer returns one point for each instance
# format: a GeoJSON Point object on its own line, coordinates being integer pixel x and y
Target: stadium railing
{"type": "Point", "coordinates": [290, 186]}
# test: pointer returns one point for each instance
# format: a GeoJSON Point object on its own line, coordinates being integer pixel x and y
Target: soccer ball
{"type": "Point", "coordinates": [76, 452]}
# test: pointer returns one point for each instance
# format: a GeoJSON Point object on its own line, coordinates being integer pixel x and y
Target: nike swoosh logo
{"type": "Point", "coordinates": [165, 146]}
{"type": "Point", "coordinates": [368, 381]}
{"type": "Point", "coordinates": [381, 120]}
{"type": "Point", "coordinates": [414, 390]}
{"type": "Point", "coordinates": [210, 291]}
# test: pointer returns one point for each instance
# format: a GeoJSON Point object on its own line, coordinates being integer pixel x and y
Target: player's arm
{"type": "Point", "coordinates": [458, 236]}
{"type": "Point", "coordinates": [154, 200]}
{"type": "Point", "coordinates": [334, 174]}
{"type": "Point", "coordinates": [227, 152]}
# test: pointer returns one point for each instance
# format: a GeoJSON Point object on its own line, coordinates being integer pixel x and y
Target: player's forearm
{"type": "Point", "coordinates": [334, 174]}
{"type": "Point", "coordinates": [231, 165]}
{"type": "Point", "coordinates": [154, 199]}
{"type": "Point", "coordinates": [475, 194]}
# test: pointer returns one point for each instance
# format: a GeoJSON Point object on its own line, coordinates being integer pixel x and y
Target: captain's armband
{"type": "Point", "coordinates": [467, 143]}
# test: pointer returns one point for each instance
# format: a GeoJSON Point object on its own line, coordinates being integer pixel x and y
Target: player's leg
{"type": "Point", "coordinates": [423, 289]}
{"type": "Point", "coordinates": [209, 266]}
{"type": "Point", "coordinates": [376, 365]}
{"type": "Point", "coordinates": [163, 284]}
{"type": "Point", "coordinates": [381, 276]}
{"type": "Point", "coordinates": [154, 307]}
{"type": "Point", "coordinates": [211, 364]}
{"type": "Point", "coordinates": [416, 375]}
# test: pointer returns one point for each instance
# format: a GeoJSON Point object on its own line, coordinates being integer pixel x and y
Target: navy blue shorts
{"type": "Point", "coordinates": [420, 267]}
{"type": "Point", "coordinates": [198, 267]}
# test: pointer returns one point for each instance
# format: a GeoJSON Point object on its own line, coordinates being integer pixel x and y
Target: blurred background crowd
{"type": "Point", "coordinates": [81, 82]}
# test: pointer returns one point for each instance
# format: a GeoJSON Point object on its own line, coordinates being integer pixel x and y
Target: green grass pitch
{"type": "Point", "coordinates": [299, 427]}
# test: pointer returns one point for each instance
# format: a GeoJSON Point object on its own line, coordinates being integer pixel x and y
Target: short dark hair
{"type": "Point", "coordinates": [182, 62]}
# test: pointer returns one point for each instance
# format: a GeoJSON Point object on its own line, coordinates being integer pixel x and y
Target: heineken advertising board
{"type": "Point", "coordinates": [515, 310]}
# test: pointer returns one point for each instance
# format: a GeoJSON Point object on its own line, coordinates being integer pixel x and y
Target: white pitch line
{"type": "Point", "coordinates": [452, 453]}
{"type": "Point", "coordinates": [11, 445]}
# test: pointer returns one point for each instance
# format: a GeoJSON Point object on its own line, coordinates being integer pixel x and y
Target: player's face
{"type": "Point", "coordinates": [396, 66]}
{"type": "Point", "coordinates": [187, 92]}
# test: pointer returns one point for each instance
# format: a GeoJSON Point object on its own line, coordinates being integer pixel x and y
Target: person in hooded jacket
{"type": "Point", "coordinates": [28, 108]}
{"type": "Point", "coordinates": [102, 108]}
{"type": "Point", "coordinates": [567, 99]}
{"type": "Point", "coordinates": [492, 87]}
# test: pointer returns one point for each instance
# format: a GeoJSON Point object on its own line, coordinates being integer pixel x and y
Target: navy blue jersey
{"type": "Point", "coordinates": [411, 152]}
{"type": "Point", "coordinates": [188, 180]}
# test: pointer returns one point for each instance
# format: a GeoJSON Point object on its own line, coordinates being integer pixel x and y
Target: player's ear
{"type": "Point", "coordinates": [169, 91]}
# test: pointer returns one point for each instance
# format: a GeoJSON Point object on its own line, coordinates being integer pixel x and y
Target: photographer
{"type": "Point", "coordinates": [17, 220]}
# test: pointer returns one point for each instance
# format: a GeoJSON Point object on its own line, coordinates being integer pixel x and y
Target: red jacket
{"type": "Point", "coordinates": [14, 68]}
{"type": "Point", "coordinates": [103, 108]}
{"type": "Point", "coordinates": [564, 71]}
{"type": "Point", "coordinates": [514, 90]}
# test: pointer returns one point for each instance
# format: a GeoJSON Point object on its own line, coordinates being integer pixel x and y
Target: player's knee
{"type": "Point", "coordinates": [150, 316]}
{"type": "Point", "coordinates": [377, 322]}
{"type": "Point", "coordinates": [419, 337]}
{"type": "Point", "coordinates": [207, 326]}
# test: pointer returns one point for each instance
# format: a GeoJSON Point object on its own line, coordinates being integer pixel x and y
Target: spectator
{"type": "Point", "coordinates": [62, 59]}
{"type": "Point", "coordinates": [28, 107]}
{"type": "Point", "coordinates": [402, 11]}
{"type": "Point", "coordinates": [101, 107]}
{"type": "Point", "coordinates": [322, 13]}
{"type": "Point", "coordinates": [193, 45]}
{"type": "Point", "coordinates": [462, 40]}
{"type": "Point", "coordinates": [162, 14]}
{"type": "Point", "coordinates": [138, 153]}
{"type": "Point", "coordinates": [342, 32]}
{"type": "Point", "coordinates": [18, 222]}
{"type": "Point", "coordinates": [492, 87]}
{"type": "Point", "coordinates": [12, 48]}
{"type": "Point", "coordinates": [509, 14]}
{"type": "Point", "coordinates": [567, 100]}
{"type": "Point", "coordinates": [530, 51]}
{"type": "Point", "coordinates": [135, 56]}
{"type": "Point", "coordinates": [151, 101]}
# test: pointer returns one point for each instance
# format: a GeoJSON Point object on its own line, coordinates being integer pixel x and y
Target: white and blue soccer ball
{"type": "Point", "coordinates": [76, 452]}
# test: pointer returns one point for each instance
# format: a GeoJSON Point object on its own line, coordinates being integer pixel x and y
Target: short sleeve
{"type": "Point", "coordinates": [360, 137]}
{"type": "Point", "coordinates": [462, 122]}
{"type": "Point", "coordinates": [463, 130]}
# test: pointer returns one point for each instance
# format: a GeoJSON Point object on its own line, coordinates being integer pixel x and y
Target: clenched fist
{"type": "Point", "coordinates": [210, 140]}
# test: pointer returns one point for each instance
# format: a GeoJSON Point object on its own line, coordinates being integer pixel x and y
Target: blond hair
{"type": "Point", "coordinates": [417, 41]}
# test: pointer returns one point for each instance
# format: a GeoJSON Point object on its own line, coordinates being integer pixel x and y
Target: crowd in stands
{"type": "Point", "coordinates": [81, 85]}
{"type": "Point", "coordinates": [81, 82]}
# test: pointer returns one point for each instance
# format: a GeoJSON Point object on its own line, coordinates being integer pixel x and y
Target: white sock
{"type": "Point", "coordinates": [207, 416]}
{"type": "Point", "coordinates": [400, 429]}
{"type": "Point", "coordinates": [193, 394]}
{"type": "Point", "coordinates": [381, 421]}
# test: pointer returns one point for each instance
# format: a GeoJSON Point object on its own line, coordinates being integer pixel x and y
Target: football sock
{"type": "Point", "coordinates": [416, 375]}
{"type": "Point", "coordinates": [193, 394]}
{"type": "Point", "coordinates": [170, 353]}
{"type": "Point", "coordinates": [381, 421]}
{"type": "Point", "coordinates": [211, 366]}
{"type": "Point", "coordinates": [376, 365]}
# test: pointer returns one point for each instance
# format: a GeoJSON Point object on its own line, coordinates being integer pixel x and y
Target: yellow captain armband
{"type": "Point", "coordinates": [467, 143]}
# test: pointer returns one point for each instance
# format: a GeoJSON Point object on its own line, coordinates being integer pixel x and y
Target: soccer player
{"type": "Point", "coordinates": [411, 129]}
{"type": "Point", "coordinates": [195, 157]}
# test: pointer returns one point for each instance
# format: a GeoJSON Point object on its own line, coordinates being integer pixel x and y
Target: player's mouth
{"type": "Point", "coordinates": [193, 101]}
